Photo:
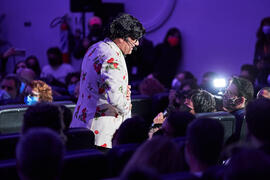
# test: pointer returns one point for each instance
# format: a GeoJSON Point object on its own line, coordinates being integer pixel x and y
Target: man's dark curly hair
{"type": "Point", "coordinates": [203, 101]}
{"type": "Point", "coordinates": [125, 26]}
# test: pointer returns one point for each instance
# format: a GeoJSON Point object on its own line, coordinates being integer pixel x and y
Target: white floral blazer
{"type": "Point", "coordinates": [102, 104]}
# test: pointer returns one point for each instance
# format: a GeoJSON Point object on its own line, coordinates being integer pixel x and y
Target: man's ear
{"type": "Point", "coordinates": [240, 100]}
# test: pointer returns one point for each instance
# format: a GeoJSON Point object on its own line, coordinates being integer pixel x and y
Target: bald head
{"type": "Point", "coordinates": [27, 74]}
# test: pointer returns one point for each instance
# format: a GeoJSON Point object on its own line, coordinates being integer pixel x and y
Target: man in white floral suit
{"type": "Point", "coordinates": [104, 101]}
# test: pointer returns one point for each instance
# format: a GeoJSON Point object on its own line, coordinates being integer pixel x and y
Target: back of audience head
{"type": "Point", "coordinates": [27, 75]}
{"type": "Point", "coordinates": [239, 92]}
{"type": "Point", "coordinates": [151, 86]}
{"type": "Point", "coordinates": [160, 153]}
{"type": "Point", "coordinates": [141, 173]}
{"type": "Point", "coordinates": [39, 155]}
{"type": "Point", "coordinates": [257, 117]}
{"type": "Point", "coordinates": [176, 124]}
{"type": "Point", "coordinates": [11, 84]}
{"type": "Point", "coordinates": [44, 115]}
{"type": "Point", "coordinates": [204, 143]}
{"type": "Point", "coordinates": [32, 63]}
{"type": "Point", "coordinates": [264, 93]}
{"type": "Point", "coordinates": [248, 164]}
{"type": "Point", "coordinates": [132, 130]}
{"type": "Point", "coordinates": [54, 56]}
{"type": "Point", "coordinates": [201, 101]}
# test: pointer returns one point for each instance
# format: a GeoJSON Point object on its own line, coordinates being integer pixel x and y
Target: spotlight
{"type": "Point", "coordinates": [219, 83]}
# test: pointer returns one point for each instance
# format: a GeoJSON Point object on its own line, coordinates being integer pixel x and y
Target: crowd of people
{"type": "Point", "coordinates": [176, 141]}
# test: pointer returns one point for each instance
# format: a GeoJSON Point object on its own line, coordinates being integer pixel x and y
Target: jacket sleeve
{"type": "Point", "coordinates": [114, 83]}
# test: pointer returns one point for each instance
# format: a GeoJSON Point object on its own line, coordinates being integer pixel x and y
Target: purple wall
{"type": "Point", "coordinates": [217, 35]}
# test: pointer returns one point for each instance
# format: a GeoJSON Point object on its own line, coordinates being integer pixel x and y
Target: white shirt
{"type": "Point", "coordinates": [58, 73]}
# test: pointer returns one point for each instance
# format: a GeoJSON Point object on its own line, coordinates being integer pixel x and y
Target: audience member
{"type": "Point", "coordinates": [159, 153]}
{"type": "Point", "coordinates": [56, 71]}
{"type": "Point", "coordinates": [132, 130]}
{"type": "Point", "coordinates": [151, 86]}
{"type": "Point", "coordinates": [196, 101]}
{"type": "Point", "coordinates": [189, 84]}
{"type": "Point", "coordinates": [37, 91]}
{"type": "Point", "coordinates": [11, 84]}
{"type": "Point", "coordinates": [44, 115]}
{"type": "Point", "coordinates": [140, 62]}
{"type": "Point", "coordinates": [262, 53]}
{"type": "Point", "coordinates": [180, 77]}
{"type": "Point", "coordinates": [262, 47]}
{"type": "Point", "coordinates": [33, 63]}
{"type": "Point", "coordinates": [237, 95]}
{"type": "Point", "coordinates": [249, 72]}
{"type": "Point", "coordinates": [204, 142]}
{"type": "Point", "coordinates": [258, 124]}
{"type": "Point", "coordinates": [264, 93]}
{"type": "Point", "coordinates": [176, 124]}
{"type": "Point", "coordinates": [95, 30]}
{"type": "Point", "coordinates": [208, 81]}
{"type": "Point", "coordinates": [201, 101]}
{"type": "Point", "coordinates": [40, 155]}
{"type": "Point", "coordinates": [248, 164]}
{"type": "Point", "coordinates": [27, 75]}
{"type": "Point", "coordinates": [168, 57]}
{"type": "Point", "coordinates": [71, 81]}
{"type": "Point", "coordinates": [4, 95]}
{"type": "Point", "coordinates": [141, 173]}
{"type": "Point", "coordinates": [19, 66]}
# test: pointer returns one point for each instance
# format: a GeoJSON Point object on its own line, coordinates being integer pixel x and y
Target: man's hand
{"type": "Point", "coordinates": [130, 106]}
{"type": "Point", "coordinates": [159, 119]}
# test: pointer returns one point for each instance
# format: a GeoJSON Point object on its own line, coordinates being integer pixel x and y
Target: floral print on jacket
{"type": "Point", "coordinates": [102, 105]}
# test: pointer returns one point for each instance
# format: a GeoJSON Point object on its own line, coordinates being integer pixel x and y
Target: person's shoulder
{"type": "Point", "coordinates": [106, 48]}
{"type": "Point", "coordinates": [66, 66]}
{"type": "Point", "coordinates": [46, 68]}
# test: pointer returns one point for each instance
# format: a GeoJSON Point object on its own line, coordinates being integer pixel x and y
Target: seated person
{"type": "Point", "coordinates": [237, 95]}
{"type": "Point", "coordinates": [248, 164]}
{"type": "Point", "coordinates": [204, 143]}
{"type": "Point", "coordinates": [44, 115]}
{"type": "Point", "coordinates": [56, 71]}
{"type": "Point", "coordinates": [201, 101]}
{"type": "Point", "coordinates": [180, 77]}
{"type": "Point", "coordinates": [32, 63]}
{"type": "Point", "coordinates": [37, 91]}
{"type": "Point", "coordinates": [160, 154]}
{"type": "Point", "coordinates": [40, 155]}
{"type": "Point", "coordinates": [71, 80]}
{"type": "Point", "coordinates": [19, 66]}
{"type": "Point", "coordinates": [264, 93]}
{"type": "Point", "coordinates": [11, 85]}
{"type": "Point", "coordinates": [151, 86]}
{"type": "Point", "coordinates": [132, 130]}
